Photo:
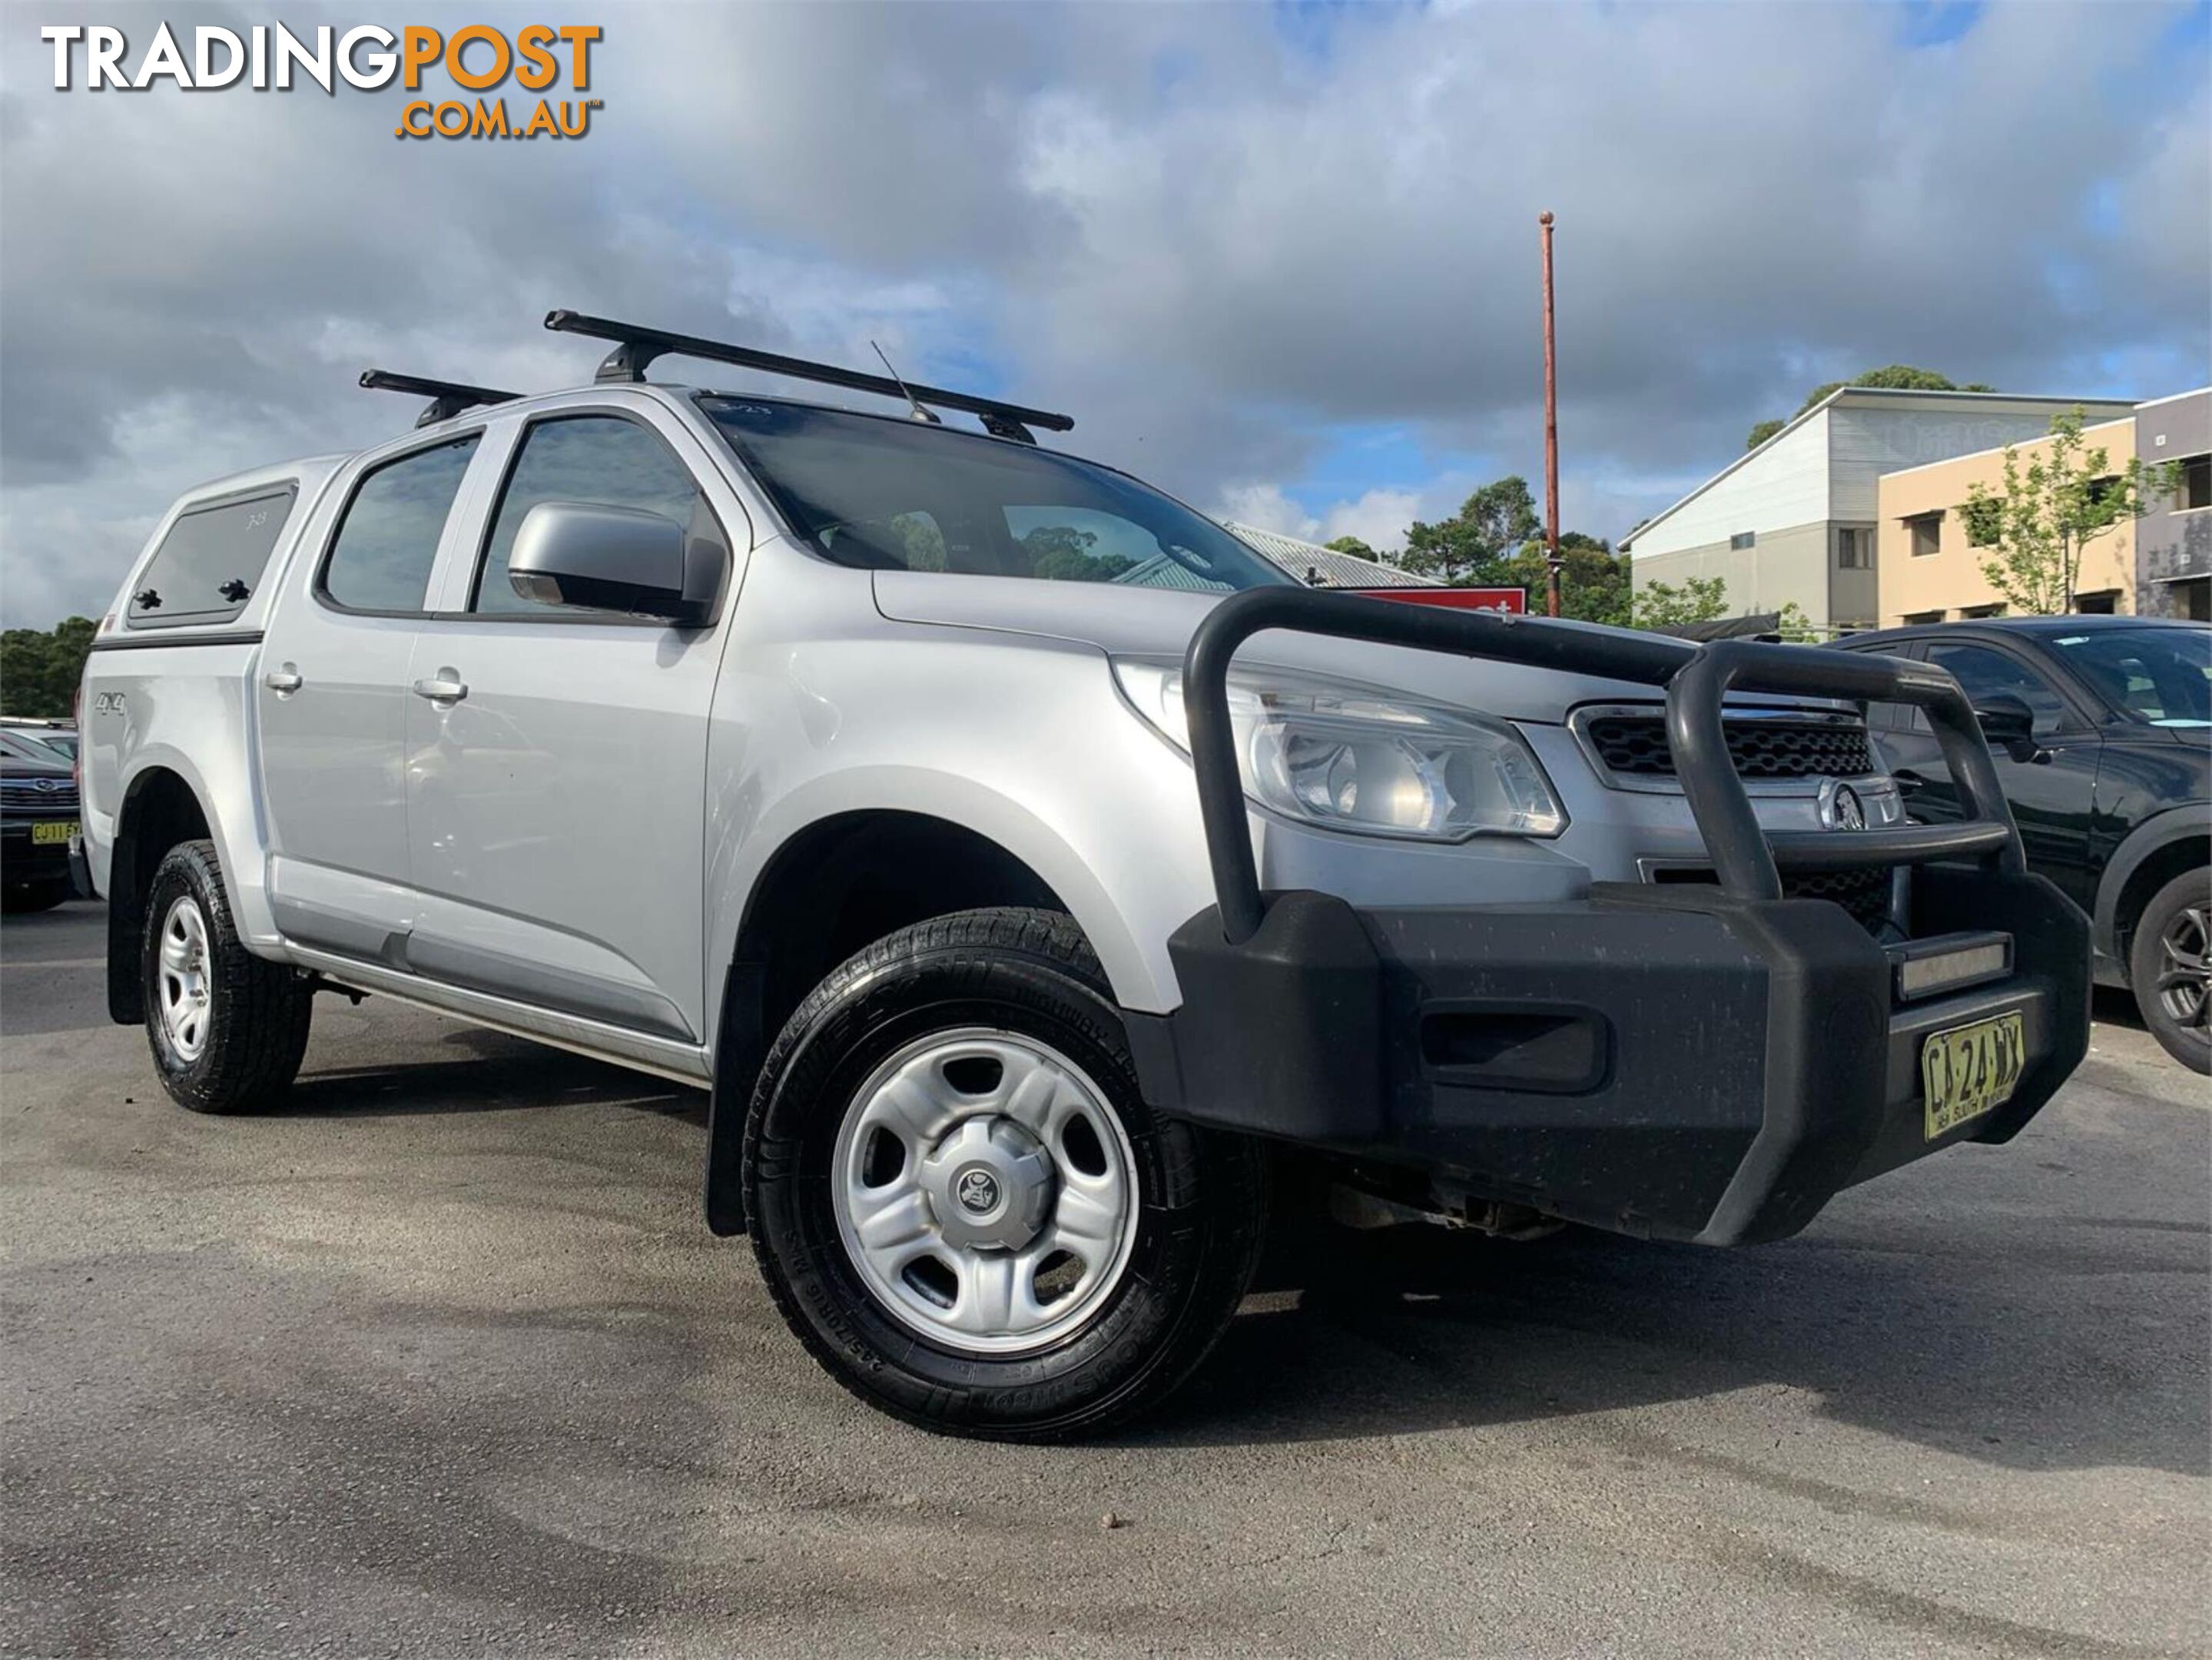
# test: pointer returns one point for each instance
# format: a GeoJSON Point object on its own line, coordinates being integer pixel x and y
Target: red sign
{"type": "Point", "coordinates": [1515, 600]}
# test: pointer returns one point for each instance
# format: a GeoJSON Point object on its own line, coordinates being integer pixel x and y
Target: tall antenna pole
{"type": "Point", "coordinates": [1551, 435]}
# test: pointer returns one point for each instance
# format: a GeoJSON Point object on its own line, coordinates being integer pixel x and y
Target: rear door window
{"type": "Point", "coordinates": [211, 563]}
{"type": "Point", "coordinates": [380, 559]}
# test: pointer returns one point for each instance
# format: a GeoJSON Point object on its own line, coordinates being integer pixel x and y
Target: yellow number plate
{"type": "Point", "coordinates": [1968, 1070]}
{"type": "Point", "coordinates": [44, 835]}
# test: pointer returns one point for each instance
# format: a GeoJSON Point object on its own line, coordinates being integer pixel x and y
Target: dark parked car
{"type": "Point", "coordinates": [2102, 731]}
{"type": "Point", "coordinates": [38, 817]}
{"type": "Point", "coordinates": [59, 736]}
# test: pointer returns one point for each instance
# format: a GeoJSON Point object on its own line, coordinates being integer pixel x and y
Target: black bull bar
{"type": "Point", "coordinates": [1747, 859]}
{"type": "Point", "coordinates": [1697, 1061]}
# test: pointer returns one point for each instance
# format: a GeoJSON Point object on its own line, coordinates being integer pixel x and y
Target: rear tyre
{"type": "Point", "coordinates": [2170, 971]}
{"type": "Point", "coordinates": [228, 1028]}
{"type": "Point", "coordinates": [18, 898]}
{"type": "Point", "coordinates": [961, 1203]}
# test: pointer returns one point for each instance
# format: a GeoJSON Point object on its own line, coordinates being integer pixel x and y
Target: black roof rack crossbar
{"type": "Point", "coordinates": [637, 347]}
{"type": "Point", "coordinates": [447, 397]}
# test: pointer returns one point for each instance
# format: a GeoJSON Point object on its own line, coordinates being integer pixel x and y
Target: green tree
{"type": "Point", "coordinates": [41, 669]}
{"type": "Point", "coordinates": [1700, 599]}
{"type": "Point", "coordinates": [1593, 579]}
{"type": "Point", "coordinates": [1467, 549]}
{"type": "Point", "coordinates": [1794, 626]}
{"type": "Point", "coordinates": [2038, 522]}
{"type": "Point", "coordinates": [1061, 553]}
{"type": "Point", "coordinates": [1355, 547]}
{"type": "Point", "coordinates": [924, 543]}
{"type": "Point", "coordinates": [1895, 376]}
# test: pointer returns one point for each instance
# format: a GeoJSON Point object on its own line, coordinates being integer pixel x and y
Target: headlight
{"type": "Point", "coordinates": [1356, 759]}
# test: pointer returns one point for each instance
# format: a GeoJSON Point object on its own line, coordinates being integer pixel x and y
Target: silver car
{"type": "Point", "coordinates": [1027, 867]}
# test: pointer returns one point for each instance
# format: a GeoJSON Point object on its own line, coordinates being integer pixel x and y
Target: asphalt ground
{"type": "Point", "coordinates": [443, 1361]}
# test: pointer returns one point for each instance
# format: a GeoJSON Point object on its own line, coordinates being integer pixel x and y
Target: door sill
{"type": "Point", "coordinates": [679, 1062]}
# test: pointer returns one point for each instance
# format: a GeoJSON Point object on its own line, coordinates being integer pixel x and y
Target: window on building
{"type": "Point", "coordinates": [1926, 529]}
{"type": "Point", "coordinates": [1742, 539]}
{"type": "Point", "coordinates": [2193, 599]}
{"type": "Point", "coordinates": [2103, 603]}
{"type": "Point", "coordinates": [1912, 618]}
{"type": "Point", "coordinates": [1854, 549]}
{"type": "Point", "coordinates": [2195, 490]}
{"type": "Point", "coordinates": [1984, 520]}
{"type": "Point", "coordinates": [1972, 613]}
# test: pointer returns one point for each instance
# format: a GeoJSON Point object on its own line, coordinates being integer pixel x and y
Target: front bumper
{"type": "Point", "coordinates": [1710, 1061]}
{"type": "Point", "coordinates": [1665, 1060]}
{"type": "Point", "coordinates": [23, 860]}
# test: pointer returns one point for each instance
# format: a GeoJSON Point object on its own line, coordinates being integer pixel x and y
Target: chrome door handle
{"type": "Point", "coordinates": [443, 687]}
{"type": "Point", "coordinates": [284, 681]}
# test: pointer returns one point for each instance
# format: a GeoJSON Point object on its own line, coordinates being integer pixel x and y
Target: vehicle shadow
{"type": "Point", "coordinates": [475, 1070]}
{"type": "Point", "coordinates": [2009, 1346]}
{"type": "Point", "coordinates": [2113, 1005]}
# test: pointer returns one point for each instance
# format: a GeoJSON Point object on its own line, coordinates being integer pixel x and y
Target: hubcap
{"type": "Point", "coordinates": [985, 1191]}
{"type": "Point", "coordinates": [187, 993]}
{"type": "Point", "coordinates": [2185, 980]}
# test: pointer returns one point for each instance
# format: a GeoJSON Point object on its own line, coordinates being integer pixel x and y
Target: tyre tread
{"type": "Point", "coordinates": [1232, 1182]}
{"type": "Point", "coordinates": [263, 1009]}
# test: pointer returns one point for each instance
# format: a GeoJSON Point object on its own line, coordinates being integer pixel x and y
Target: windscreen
{"type": "Point", "coordinates": [2162, 675]}
{"type": "Point", "coordinates": [889, 494]}
{"type": "Point", "coordinates": [210, 561]}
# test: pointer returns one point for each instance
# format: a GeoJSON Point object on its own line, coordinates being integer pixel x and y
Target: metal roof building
{"type": "Point", "coordinates": [1319, 567]}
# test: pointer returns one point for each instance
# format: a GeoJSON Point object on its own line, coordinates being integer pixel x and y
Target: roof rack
{"type": "Point", "coordinates": [448, 398]}
{"type": "Point", "coordinates": [635, 347]}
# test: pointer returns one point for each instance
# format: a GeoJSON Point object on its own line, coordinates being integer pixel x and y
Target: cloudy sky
{"type": "Point", "coordinates": [1281, 259]}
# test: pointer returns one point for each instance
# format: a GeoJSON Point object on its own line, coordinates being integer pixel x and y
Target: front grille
{"type": "Point", "coordinates": [1635, 745]}
{"type": "Point", "coordinates": [22, 795]}
{"type": "Point", "coordinates": [1863, 893]}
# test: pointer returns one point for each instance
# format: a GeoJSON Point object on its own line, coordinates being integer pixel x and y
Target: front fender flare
{"type": "Point", "coordinates": [2153, 836]}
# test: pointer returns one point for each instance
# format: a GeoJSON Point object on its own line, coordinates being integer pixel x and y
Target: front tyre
{"type": "Point", "coordinates": [2170, 970]}
{"type": "Point", "coordinates": [961, 1203]}
{"type": "Point", "coordinates": [226, 1028]}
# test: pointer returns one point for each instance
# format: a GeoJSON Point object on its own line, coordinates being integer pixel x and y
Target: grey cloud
{"type": "Point", "coordinates": [1207, 240]}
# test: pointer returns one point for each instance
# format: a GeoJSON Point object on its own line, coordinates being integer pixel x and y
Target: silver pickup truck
{"type": "Point", "coordinates": [1027, 867]}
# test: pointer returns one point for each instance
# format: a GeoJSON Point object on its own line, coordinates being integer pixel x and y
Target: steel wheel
{"type": "Point", "coordinates": [985, 1191]}
{"type": "Point", "coordinates": [2185, 980]}
{"type": "Point", "coordinates": [185, 997]}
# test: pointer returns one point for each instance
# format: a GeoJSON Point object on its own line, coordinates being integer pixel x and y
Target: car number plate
{"type": "Point", "coordinates": [1968, 1070]}
{"type": "Point", "coordinates": [46, 835]}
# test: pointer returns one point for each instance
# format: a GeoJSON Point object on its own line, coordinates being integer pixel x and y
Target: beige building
{"type": "Point", "coordinates": [1794, 521]}
{"type": "Point", "coordinates": [1926, 567]}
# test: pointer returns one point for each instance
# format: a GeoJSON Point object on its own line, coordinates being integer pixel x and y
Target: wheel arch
{"type": "Point", "coordinates": [2161, 848]}
{"type": "Point", "coordinates": [160, 807]}
{"type": "Point", "coordinates": [834, 885]}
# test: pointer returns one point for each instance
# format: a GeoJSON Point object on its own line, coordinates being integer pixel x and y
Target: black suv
{"type": "Point", "coordinates": [2102, 731]}
{"type": "Point", "coordinates": [37, 816]}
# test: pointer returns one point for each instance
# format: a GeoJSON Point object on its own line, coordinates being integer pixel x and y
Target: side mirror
{"type": "Point", "coordinates": [2009, 725]}
{"type": "Point", "coordinates": [624, 559]}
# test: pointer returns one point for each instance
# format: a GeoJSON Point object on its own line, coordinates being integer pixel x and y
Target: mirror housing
{"type": "Point", "coordinates": [2009, 725]}
{"type": "Point", "coordinates": [618, 559]}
